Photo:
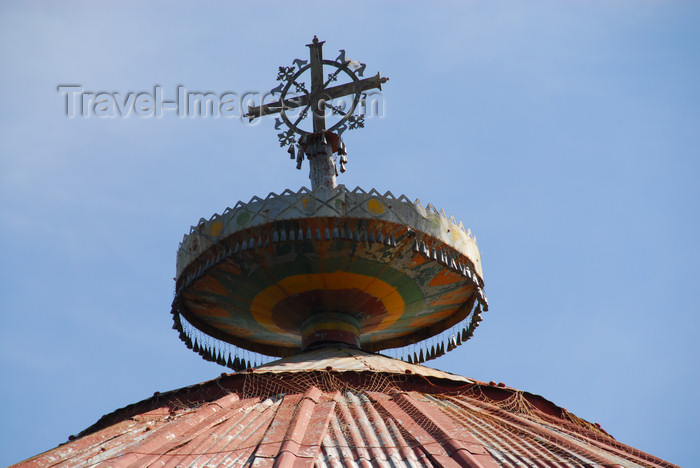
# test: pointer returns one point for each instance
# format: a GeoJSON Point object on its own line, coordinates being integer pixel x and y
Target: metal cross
{"type": "Point", "coordinates": [321, 142]}
{"type": "Point", "coordinates": [320, 97]}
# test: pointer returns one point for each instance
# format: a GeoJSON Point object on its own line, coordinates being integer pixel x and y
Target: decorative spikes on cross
{"type": "Point", "coordinates": [320, 102]}
{"type": "Point", "coordinates": [354, 65]}
{"type": "Point", "coordinates": [287, 138]}
{"type": "Point", "coordinates": [285, 73]}
{"type": "Point", "coordinates": [356, 122]}
{"type": "Point", "coordinates": [300, 87]}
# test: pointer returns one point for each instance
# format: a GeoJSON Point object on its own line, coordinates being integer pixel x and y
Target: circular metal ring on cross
{"type": "Point", "coordinates": [292, 81]}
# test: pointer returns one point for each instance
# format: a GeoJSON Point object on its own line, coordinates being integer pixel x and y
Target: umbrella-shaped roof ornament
{"type": "Point", "coordinates": [307, 268]}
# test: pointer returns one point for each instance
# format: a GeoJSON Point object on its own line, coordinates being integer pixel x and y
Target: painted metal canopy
{"type": "Point", "coordinates": [375, 271]}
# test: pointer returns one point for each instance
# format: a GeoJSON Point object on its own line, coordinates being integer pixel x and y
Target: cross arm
{"type": "Point", "coordinates": [275, 107]}
{"type": "Point", "coordinates": [332, 93]}
{"type": "Point", "coordinates": [356, 86]}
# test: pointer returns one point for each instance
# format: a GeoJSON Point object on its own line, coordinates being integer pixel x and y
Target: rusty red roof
{"type": "Point", "coordinates": [344, 408]}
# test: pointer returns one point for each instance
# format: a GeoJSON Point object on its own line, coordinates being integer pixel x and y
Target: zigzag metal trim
{"type": "Point", "coordinates": [341, 188]}
{"type": "Point", "coordinates": [323, 202]}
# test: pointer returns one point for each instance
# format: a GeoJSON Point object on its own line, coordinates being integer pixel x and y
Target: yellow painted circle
{"type": "Point", "coordinates": [375, 206]}
{"type": "Point", "coordinates": [216, 228]}
{"type": "Point", "coordinates": [265, 301]}
{"type": "Point", "coordinates": [308, 204]}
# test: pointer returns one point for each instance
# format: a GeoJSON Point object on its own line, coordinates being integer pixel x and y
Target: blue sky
{"type": "Point", "coordinates": [566, 135]}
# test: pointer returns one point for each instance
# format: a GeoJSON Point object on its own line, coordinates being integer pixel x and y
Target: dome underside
{"type": "Point", "coordinates": [344, 418]}
{"type": "Point", "coordinates": [258, 288]}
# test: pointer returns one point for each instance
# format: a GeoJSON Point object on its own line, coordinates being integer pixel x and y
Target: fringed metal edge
{"type": "Point", "coordinates": [435, 249]}
{"type": "Point", "coordinates": [441, 343]}
{"type": "Point", "coordinates": [293, 230]}
{"type": "Point", "coordinates": [215, 350]}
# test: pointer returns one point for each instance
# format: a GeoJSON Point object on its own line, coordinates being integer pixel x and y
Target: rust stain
{"type": "Point", "coordinates": [207, 311]}
{"type": "Point", "coordinates": [445, 277]}
{"type": "Point", "coordinates": [209, 284]}
{"type": "Point", "coordinates": [458, 296]}
{"type": "Point", "coordinates": [418, 260]}
{"type": "Point", "coordinates": [230, 267]}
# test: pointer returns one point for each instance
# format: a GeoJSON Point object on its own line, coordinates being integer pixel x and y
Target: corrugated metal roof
{"type": "Point", "coordinates": [352, 415]}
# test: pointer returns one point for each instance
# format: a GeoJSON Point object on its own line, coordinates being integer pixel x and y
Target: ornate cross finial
{"type": "Point", "coordinates": [296, 100]}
